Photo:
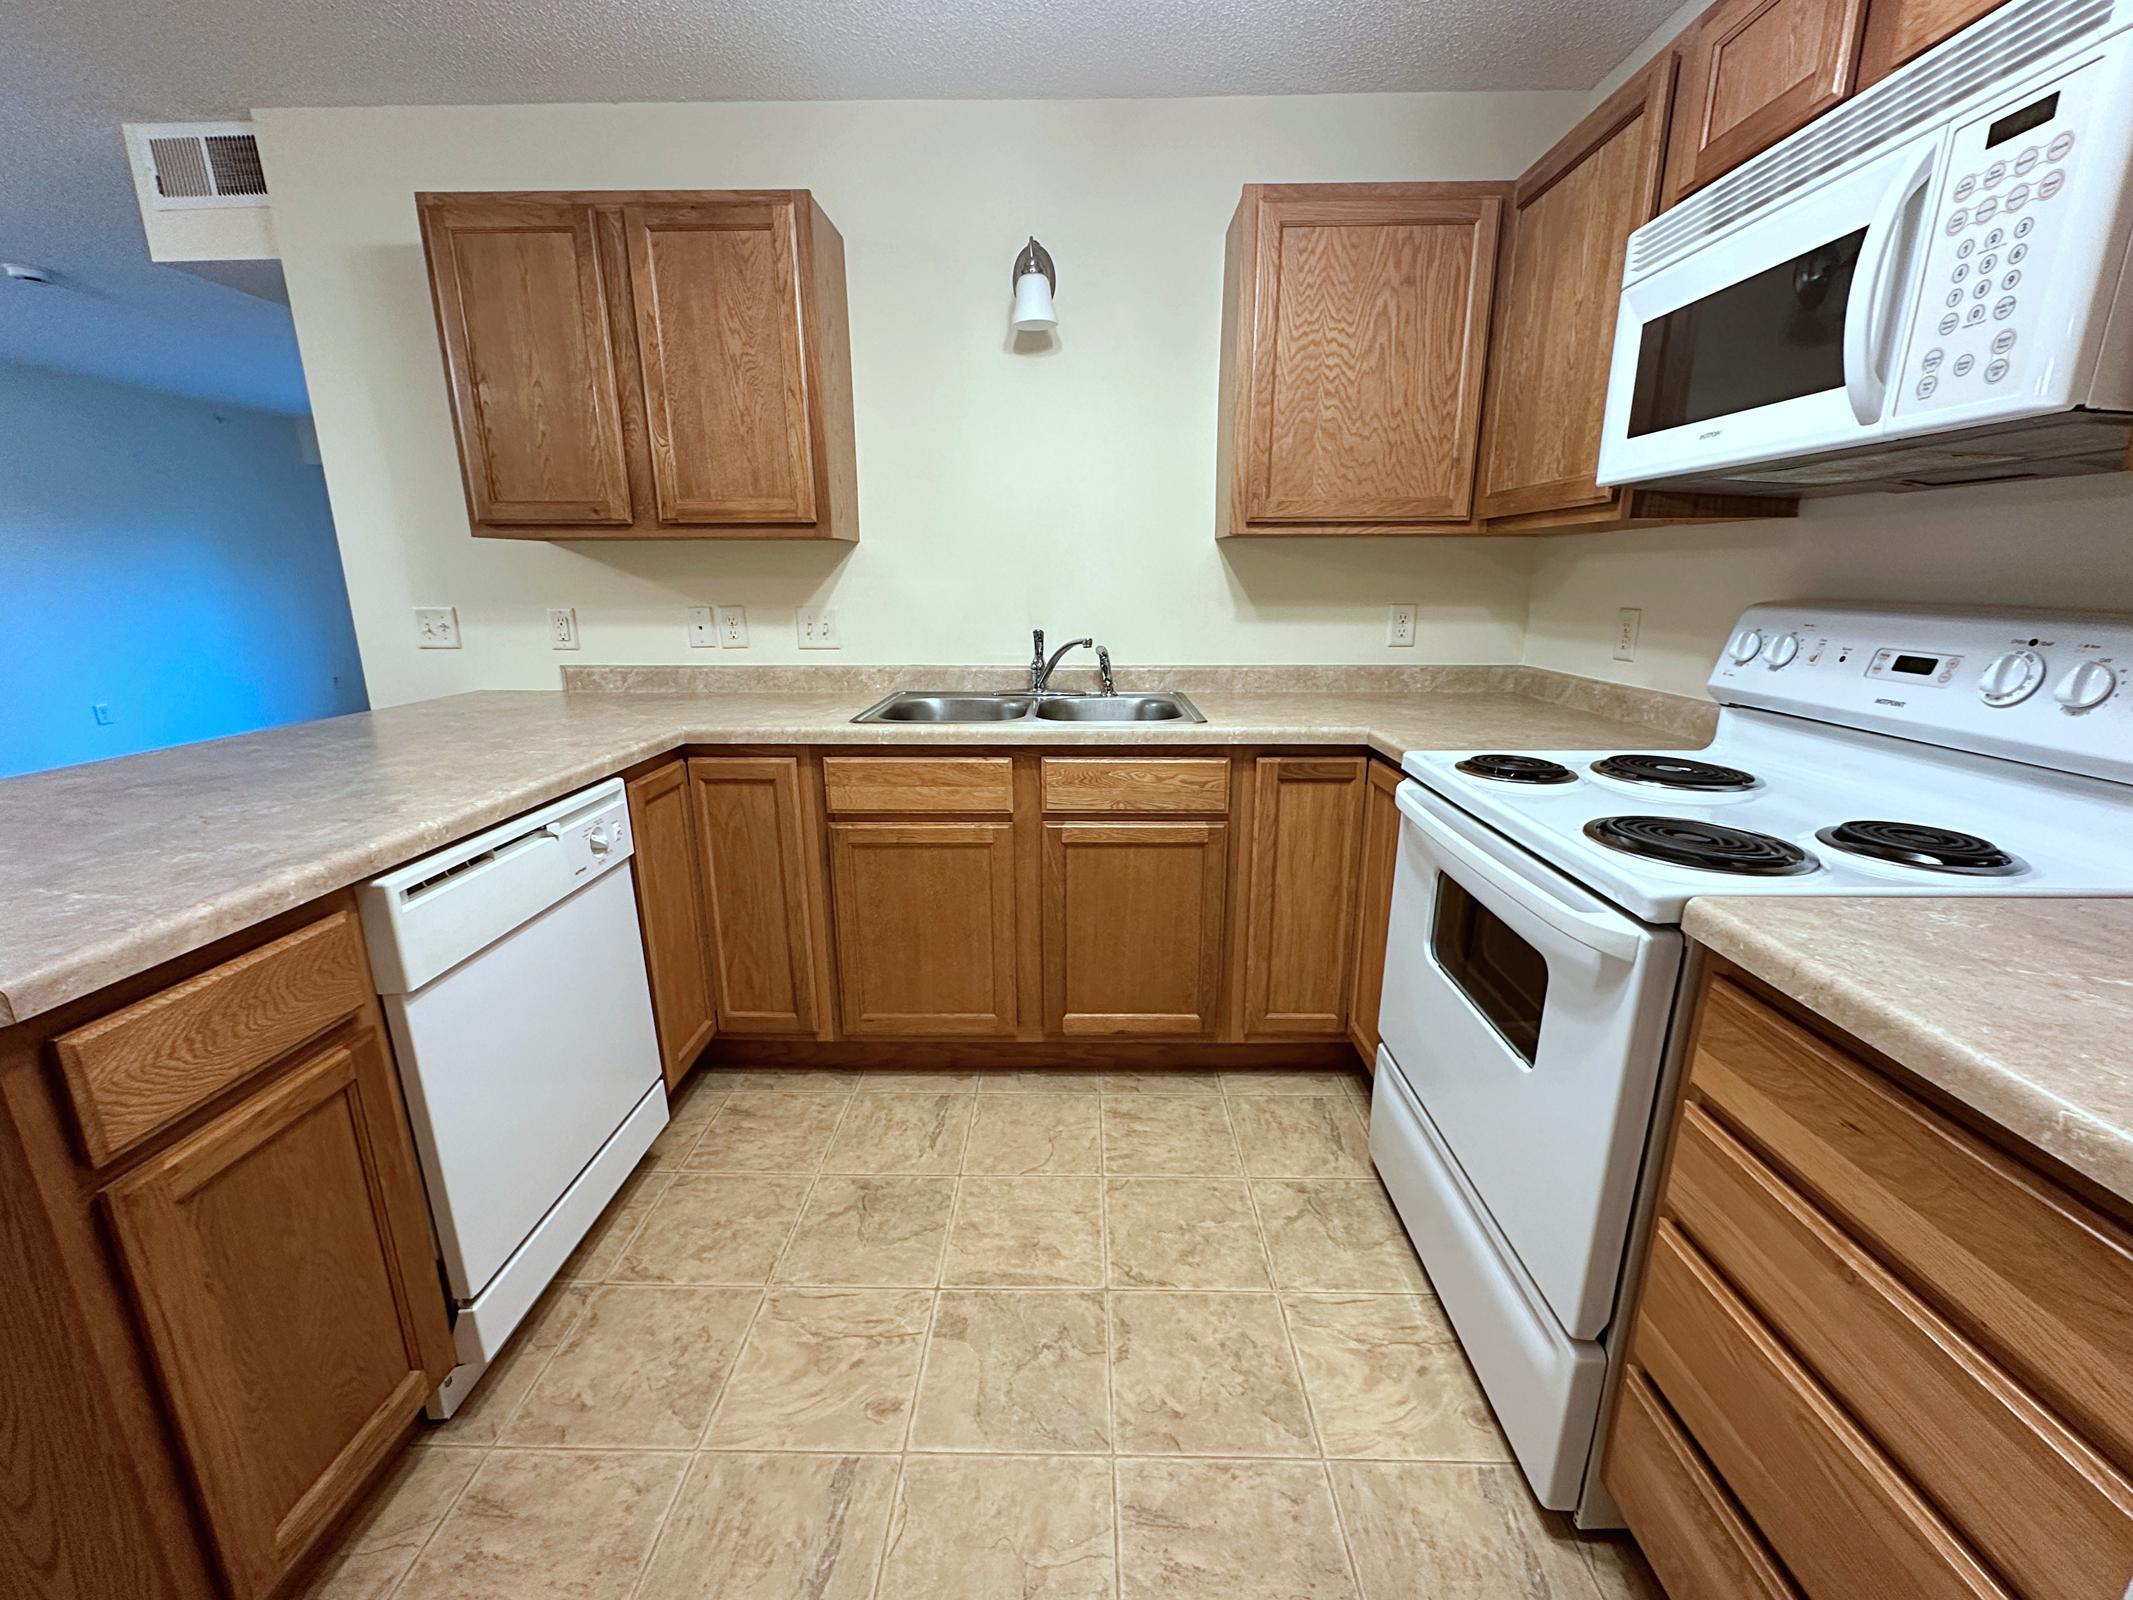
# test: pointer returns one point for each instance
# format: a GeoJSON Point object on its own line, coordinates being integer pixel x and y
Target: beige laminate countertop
{"type": "Point", "coordinates": [113, 867]}
{"type": "Point", "coordinates": [2020, 1009]}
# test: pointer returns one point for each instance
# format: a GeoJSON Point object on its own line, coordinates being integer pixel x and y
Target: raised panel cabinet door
{"type": "Point", "coordinates": [282, 1264]}
{"type": "Point", "coordinates": [1373, 908]}
{"type": "Point", "coordinates": [670, 910]}
{"type": "Point", "coordinates": [522, 312]}
{"type": "Point", "coordinates": [1897, 30]}
{"type": "Point", "coordinates": [1557, 295]}
{"type": "Point", "coordinates": [754, 839]}
{"type": "Point", "coordinates": [1133, 915]}
{"type": "Point", "coordinates": [718, 307]}
{"type": "Point", "coordinates": [1306, 837]}
{"type": "Point", "coordinates": [1368, 342]}
{"type": "Point", "coordinates": [1753, 71]}
{"type": "Point", "coordinates": [925, 927]}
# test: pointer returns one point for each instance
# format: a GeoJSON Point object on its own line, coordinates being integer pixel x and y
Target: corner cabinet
{"type": "Point", "coordinates": [660, 364]}
{"type": "Point", "coordinates": [670, 911]}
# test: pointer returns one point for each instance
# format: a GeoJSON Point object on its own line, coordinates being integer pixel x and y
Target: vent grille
{"type": "Point", "coordinates": [183, 165]}
{"type": "Point", "coordinates": [1988, 51]}
{"type": "Point", "coordinates": [234, 158]}
{"type": "Point", "coordinates": [180, 168]}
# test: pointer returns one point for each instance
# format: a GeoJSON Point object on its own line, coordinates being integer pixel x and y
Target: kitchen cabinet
{"type": "Point", "coordinates": [1355, 334]}
{"type": "Point", "coordinates": [1373, 908]}
{"type": "Point", "coordinates": [1897, 30]}
{"type": "Point", "coordinates": [759, 843]}
{"type": "Point", "coordinates": [670, 910]}
{"type": "Point", "coordinates": [1133, 921]}
{"type": "Point", "coordinates": [1873, 1351]}
{"type": "Point", "coordinates": [925, 927]}
{"type": "Point", "coordinates": [658, 364]}
{"type": "Point", "coordinates": [1307, 824]}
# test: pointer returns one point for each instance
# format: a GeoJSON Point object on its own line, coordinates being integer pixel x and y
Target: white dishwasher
{"type": "Point", "coordinates": [512, 974]}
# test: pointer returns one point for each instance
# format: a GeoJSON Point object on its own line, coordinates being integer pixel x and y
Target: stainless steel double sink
{"type": "Point", "coordinates": [914, 705]}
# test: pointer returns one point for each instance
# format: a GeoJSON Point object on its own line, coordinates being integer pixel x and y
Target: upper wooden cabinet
{"type": "Point", "coordinates": [1355, 333]}
{"type": "Point", "coordinates": [1897, 30]}
{"type": "Point", "coordinates": [646, 365]}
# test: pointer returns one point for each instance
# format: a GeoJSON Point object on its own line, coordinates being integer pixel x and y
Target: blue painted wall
{"type": "Point", "coordinates": [170, 560]}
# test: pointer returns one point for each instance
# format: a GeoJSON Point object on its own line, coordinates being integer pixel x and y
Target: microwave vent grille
{"type": "Point", "coordinates": [1988, 51]}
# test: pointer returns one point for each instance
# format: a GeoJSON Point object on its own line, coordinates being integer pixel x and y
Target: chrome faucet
{"type": "Point", "coordinates": [1041, 668]}
{"type": "Point", "coordinates": [1103, 671]}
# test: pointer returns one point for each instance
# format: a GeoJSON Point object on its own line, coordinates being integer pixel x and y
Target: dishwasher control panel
{"type": "Point", "coordinates": [592, 843]}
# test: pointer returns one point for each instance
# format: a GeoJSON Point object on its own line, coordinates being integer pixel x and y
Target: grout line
{"type": "Point", "coordinates": [659, 1532]}
{"type": "Point", "coordinates": [400, 1582]}
{"type": "Point", "coordinates": [889, 1529]}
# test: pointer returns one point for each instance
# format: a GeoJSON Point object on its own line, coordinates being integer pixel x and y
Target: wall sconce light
{"type": "Point", "coordinates": [1035, 280]}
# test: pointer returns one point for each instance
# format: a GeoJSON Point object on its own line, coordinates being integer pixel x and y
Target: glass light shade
{"type": "Point", "coordinates": [1033, 304]}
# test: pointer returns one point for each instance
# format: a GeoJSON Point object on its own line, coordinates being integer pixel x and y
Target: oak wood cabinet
{"type": "Point", "coordinates": [656, 364]}
{"type": "Point", "coordinates": [1897, 30]}
{"type": "Point", "coordinates": [1307, 825]}
{"type": "Point", "coordinates": [925, 927]}
{"type": "Point", "coordinates": [758, 835]}
{"type": "Point", "coordinates": [1355, 334]}
{"type": "Point", "coordinates": [1133, 923]}
{"type": "Point", "coordinates": [670, 910]}
{"type": "Point", "coordinates": [1373, 908]}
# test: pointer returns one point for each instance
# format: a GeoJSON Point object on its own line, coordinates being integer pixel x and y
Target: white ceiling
{"type": "Point", "coordinates": [71, 72]}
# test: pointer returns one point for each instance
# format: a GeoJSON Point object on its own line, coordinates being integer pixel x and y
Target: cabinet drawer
{"type": "Point", "coordinates": [2036, 1277]}
{"type": "Point", "coordinates": [143, 1068]}
{"type": "Point", "coordinates": [1843, 1520]}
{"type": "Point", "coordinates": [960, 784]}
{"type": "Point", "coordinates": [1690, 1530]}
{"type": "Point", "coordinates": [1199, 786]}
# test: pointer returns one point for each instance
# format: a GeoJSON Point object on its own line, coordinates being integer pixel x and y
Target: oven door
{"type": "Point", "coordinates": [1527, 1017]}
{"type": "Point", "coordinates": [1776, 338]}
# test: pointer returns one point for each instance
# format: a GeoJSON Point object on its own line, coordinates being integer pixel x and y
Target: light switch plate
{"type": "Point", "coordinates": [1627, 622]}
{"type": "Point", "coordinates": [733, 627]}
{"type": "Point", "coordinates": [703, 627]}
{"type": "Point", "coordinates": [437, 627]}
{"type": "Point", "coordinates": [818, 629]}
{"type": "Point", "coordinates": [563, 627]}
{"type": "Point", "coordinates": [1400, 627]}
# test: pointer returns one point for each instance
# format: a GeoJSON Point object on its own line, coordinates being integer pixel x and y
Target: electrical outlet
{"type": "Point", "coordinates": [563, 627]}
{"type": "Point", "coordinates": [1400, 627]}
{"type": "Point", "coordinates": [1627, 621]}
{"type": "Point", "coordinates": [818, 629]}
{"type": "Point", "coordinates": [703, 627]}
{"type": "Point", "coordinates": [437, 627]}
{"type": "Point", "coordinates": [733, 627]}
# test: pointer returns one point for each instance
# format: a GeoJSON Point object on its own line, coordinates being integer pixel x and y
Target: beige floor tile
{"type": "Point", "coordinates": [503, 1388]}
{"type": "Point", "coordinates": [1387, 1379]}
{"type": "Point", "coordinates": [1015, 1369]}
{"type": "Point", "coordinates": [1230, 1530]}
{"type": "Point", "coordinates": [1038, 1080]}
{"type": "Point", "coordinates": [714, 1228]}
{"type": "Point", "coordinates": [1455, 1532]}
{"type": "Point", "coordinates": [1336, 1234]}
{"type": "Point", "coordinates": [768, 1133]}
{"type": "Point", "coordinates": [1025, 1133]}
{"type": "Point", "coordinates": [825, 1369]}
{"type": "Point", "coordinates": [1276, 1080]}
{"type": "Point", "coordinates": [1301, 1136]}
{"type": "Point", "coordinates": [776, 1080]}
{"type": "Point", "coordinates": [1163, 1080]}
{"type": "Point", "coordinates": [1183, 1233]}
{"type": "Point", "coordinates": [880, 1231]}
{"type": "Point", "coordinates": [1000, 1528]}
{"type": "Point", "coordinates": [1037, 1232]}
{"type": "Point", "coordinates": [1619, 1570]}
{"type": "Point", "coordinates": [765, 1527]}
{"type": "Point", "coordinates": [686, 1121]}
{"type": "Point", "coordinates": [548, 1524]}
{"type": "Point", "coordinates": [393, 1525]}
{"type": "Point", "coordinates": [956, 1080]}
{"type": "Point", "coordinates": [641, 1369]}
{"type": "Point", "coordinates": [1177, 1135]}
{"type": "Point", "coordinates": [1205, 1374]}
{"type": "Point", "coordinates": [912, 1132]}
{"type": "Point", "coordinates": [603, 1244]}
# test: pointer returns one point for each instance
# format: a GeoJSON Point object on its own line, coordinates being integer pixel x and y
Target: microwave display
{"type": "Point", "coordinates": [2033, 115]}
{"type": "Point", "coordinates": [1772, 337]}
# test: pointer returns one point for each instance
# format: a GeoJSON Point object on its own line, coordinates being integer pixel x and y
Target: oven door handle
{"type": "Point", "coordinates": [1873, 293]}
{"type": "Point", "coordinates": [1595, 930]}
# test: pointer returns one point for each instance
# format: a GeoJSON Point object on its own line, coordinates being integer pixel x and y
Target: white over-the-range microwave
{"type": "Point", "coordinates": [1928, 285]}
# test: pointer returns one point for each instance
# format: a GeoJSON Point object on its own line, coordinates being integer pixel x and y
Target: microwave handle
{"type": "Point", "coordinates": [1873, 293]}
{"type": "Point", "coordinates": [1595, 930]}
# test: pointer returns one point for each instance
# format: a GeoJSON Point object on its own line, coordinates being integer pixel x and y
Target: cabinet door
{"type": "Point", "coordinates": [1373, 909]}
{"type": "Point", "coordinates": [1557, 298]}
{"type": "Point", "coordinates": [925, 926]}
{"type": "Point", "coordinates": [1897, 30]}
{"type": "Point", "coordinates": [757, 838]}
{"type": "Point", "coordinates": [1368, 334]}
{"type": "Point", "coordinates": [1307, 823]}
{"type": "Point", "coordinates": [669, 875]}
{"type": "Point", "coordinates": [717, 292]}
{"type": "Point", "coordinates": [282, 1262]}
{"type": "Point", "coordinates": [1753, 71]}
{"type": "Point", "coordinates": [1133, 915]}
{"type": "Point", "coordinates": [522, 310]}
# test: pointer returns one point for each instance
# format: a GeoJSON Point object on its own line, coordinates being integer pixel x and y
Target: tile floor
{"type": "Point", "coordinates": [957, 1336]}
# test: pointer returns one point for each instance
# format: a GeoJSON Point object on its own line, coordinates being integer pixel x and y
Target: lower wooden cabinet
{"type": "Point", "coordinates": [756, 831]}
{"type": "Point", "coordinates": [1133, 918]}
{"type": "Point", "coordinates": [670, 909]}
{"type": "Point", "coordinates": [925, 920]}
{"type": "Point", "coordinates": [1307, 825]}
{"type": "Point", "coordinates": [1373, 908]}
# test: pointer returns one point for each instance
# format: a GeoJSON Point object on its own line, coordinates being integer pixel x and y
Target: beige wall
{"type": "Point", "coordinates": [998, 490]}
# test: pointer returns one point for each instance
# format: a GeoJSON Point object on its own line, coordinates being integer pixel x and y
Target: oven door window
{"type": "Point", "coordinates": [1769, 338]}
{"type": "Point", "coordinates": [1504, 977]}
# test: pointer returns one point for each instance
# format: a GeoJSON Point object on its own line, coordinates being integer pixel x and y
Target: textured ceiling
{"type": "Point", "coordinates": [71, 70]}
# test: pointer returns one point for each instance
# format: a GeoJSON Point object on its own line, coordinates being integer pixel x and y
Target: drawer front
{"type": "Point", "coordinates": [1840, 1516]}
{"type": "Point", "coordinates": [1196, 786]}
{"type": "Point", "coordinates": [2037, 1278]}
{"type": "Point", "coordinates": [2034, 1499]}
{"type": "Point", "coordinates": [145, 1067]}
{"type": "Point", "coordinates": [1690, 1530]}
{"type": "Point", "coordinates": [966, 785]}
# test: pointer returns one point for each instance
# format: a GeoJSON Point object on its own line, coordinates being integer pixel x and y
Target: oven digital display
{"type": "Point", "coordinates": [2033, 115]}
{"type": "Point", "coordinates": [1915, 666]}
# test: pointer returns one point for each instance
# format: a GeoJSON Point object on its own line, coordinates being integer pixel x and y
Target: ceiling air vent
{"type": "Point", "coordinates": [183, 165]}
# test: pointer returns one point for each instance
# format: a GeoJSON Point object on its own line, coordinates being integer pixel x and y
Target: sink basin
{"type": "Point", "coordinates": [1118, 708]}
{"type": "Point", "coordinates": [914, 705]}
{"type": "Point", "coordinates": [908, 706]}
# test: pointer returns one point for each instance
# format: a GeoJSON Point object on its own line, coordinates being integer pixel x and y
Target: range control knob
{"type": "Point", "coordinates": [1783, 649]}
{"type": "Point", "coordinates": [2086, 684]}
{"type": "Point", "coordinates": [2011, 678]}
{"type": "Point", "coordinates": [1746, 644]}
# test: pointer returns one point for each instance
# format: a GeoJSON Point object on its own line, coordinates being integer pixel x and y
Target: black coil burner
{"type": "Point", "coordinates": [1675, 772]}
{"type": "Point", "coordinates": [1914, 844]}
{"type": "Point", "coordinates": [1517, 769]}
{"type": "Point", "coordinates": [1708, 846]}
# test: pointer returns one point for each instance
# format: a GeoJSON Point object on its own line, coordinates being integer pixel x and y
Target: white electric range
{"type": "Point", "coordinates": [1535, 965]}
